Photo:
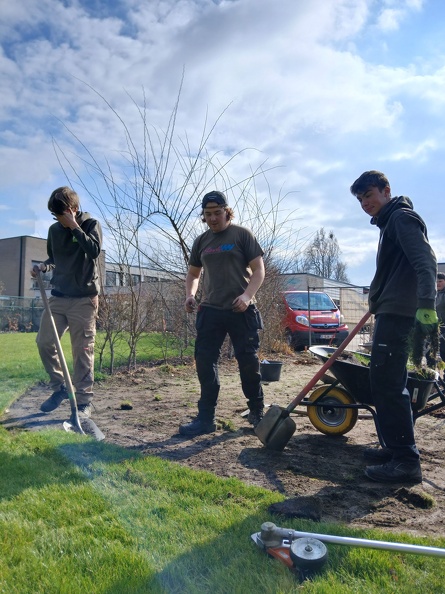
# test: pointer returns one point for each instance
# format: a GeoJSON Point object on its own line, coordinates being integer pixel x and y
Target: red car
{"type": "Point", "coordinates": [319, 322]}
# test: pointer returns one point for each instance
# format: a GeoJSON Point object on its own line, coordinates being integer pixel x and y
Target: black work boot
{"type": "Point", "coordinates": [378, 454]}
{"type": "Point", "coordinates": [55, 400]}
{"type": "Point", "coordinates": [255, 416]}
{"type": "Point", "coordinates": [197, 427]}
{"type": "Point", "coordinates": [395, 471]}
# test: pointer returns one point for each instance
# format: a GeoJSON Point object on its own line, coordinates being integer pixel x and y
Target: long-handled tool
{"type": "Point", "coordinates": [276, 427]}
{"type": "Point", "coordinates": [74, 424]}
{"type": "Point", "coordinates": [305, 553]}
{"type": "Point", "coordinates": [272, 536]}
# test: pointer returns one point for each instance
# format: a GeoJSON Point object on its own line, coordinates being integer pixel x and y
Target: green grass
{"type": "Point", "coordinates": [81, 516]}
{"type": "Point", "coordinates": [20, 366]}
{"type": "Point", "coordinates": [151, 347]}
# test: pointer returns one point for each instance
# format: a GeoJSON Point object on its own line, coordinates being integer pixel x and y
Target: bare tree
{"type": "Point", "coordinates": [149, 199]}
{"type": "Point", "coordinates": [178, 326]}
{"type": "Point", "coordinates": [271, 306]}
{"type": "Point", "coordinates": [110, 322]}
{"type": "Point", "coordinates": [322, 257]}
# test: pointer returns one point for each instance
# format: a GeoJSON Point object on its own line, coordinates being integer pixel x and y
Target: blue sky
{"type": "Point", "coordinates": [321, 90]}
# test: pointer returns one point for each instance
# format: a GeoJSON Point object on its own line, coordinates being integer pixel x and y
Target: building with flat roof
{"type": "Point", "coordinates": [19, 254]}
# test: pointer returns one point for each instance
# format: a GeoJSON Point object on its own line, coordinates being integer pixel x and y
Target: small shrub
{"type": "Point", "coordinates": [227, 425]}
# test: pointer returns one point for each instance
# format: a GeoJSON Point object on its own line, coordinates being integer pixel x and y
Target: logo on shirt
{"type": "Point", "coordinates": [225, 247]}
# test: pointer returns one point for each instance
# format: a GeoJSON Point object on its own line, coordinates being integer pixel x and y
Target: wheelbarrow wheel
{"type": "Point", "coordinates": [328, 419]}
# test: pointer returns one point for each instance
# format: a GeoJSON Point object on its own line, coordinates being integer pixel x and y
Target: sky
{"type": "Point", "coordinates": [318, 91]}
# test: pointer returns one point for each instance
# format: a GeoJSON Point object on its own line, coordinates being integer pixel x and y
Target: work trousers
{"type": "Point", "coordinates": [79, 315]}
{"type": "Point", "coordinates": [213, 325]}
{"type": "Point", "coordinates": [388, 374]}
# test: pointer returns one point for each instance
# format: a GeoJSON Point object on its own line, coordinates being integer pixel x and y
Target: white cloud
{"type": "Point", "coordinates": [396, 11]}
{"type": "Point", "coordinates": [420, 152]}
{"type": "Point", "coordinates": [304, 89]}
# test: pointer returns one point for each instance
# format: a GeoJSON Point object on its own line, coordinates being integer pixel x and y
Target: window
{"type": "Point", "coordinates": [110, 278]}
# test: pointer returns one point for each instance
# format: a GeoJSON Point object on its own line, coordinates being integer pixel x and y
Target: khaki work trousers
{"type": "Point", "coordinates": [79, 315]}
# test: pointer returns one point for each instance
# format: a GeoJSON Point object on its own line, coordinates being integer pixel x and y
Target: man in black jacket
{"type": "Point", "coordinates": [402, 293]}
{"type": "Point", "coordinates": [73, 247]}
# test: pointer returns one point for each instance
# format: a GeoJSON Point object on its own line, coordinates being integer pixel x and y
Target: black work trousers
{"type": "Point", "coordinates": [388, 374]}
{"type": "Point", "coordinates": [213, 325]}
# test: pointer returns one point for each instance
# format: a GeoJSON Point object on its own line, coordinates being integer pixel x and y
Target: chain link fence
{"type": "Point", "coordinates": [20, 314]}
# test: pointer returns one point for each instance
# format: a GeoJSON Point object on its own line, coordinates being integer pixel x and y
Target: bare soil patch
{"type": "Point", "coordinates": [321, 476]}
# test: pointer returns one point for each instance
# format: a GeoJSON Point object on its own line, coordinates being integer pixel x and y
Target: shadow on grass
{"type": "Point", "coordinates": [41, 459]}
{"type": "Point", "coordinates": [233, 563]}
{"type": "Point", "coordinates": [88, 452]}
{"type": "Point", "coordinates": [23, 471]}
{"type": "Point", "coordinates": [229, 563]}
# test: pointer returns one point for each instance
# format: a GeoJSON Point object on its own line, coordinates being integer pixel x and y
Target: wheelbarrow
{"type": "Point", "coordinates": [276, 427]}
{"type": "Point", "coordinates": [334, 409]}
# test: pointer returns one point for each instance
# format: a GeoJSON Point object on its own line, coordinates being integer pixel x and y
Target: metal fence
{"type": "Point", "coordinates": [20, 314]}
{"type": "Point", "coordinates": [353, 306]}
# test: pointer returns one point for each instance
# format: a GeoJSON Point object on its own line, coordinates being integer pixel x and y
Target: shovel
{"type": "Point", "coordinates": [74, 424]}
{"type": "Point", "coordinates": [276, 427]}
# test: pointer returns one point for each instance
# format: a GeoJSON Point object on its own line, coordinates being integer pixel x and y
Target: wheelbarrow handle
{"type": "Point", "coordinates": [66, 373]}
{"type": "Point", "coordinates": [328, 363]}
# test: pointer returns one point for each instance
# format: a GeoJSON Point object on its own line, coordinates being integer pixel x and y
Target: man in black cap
{"type": "Point", "coordinates": [232, 261]}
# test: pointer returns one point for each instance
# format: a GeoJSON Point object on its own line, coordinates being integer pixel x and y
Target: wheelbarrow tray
{"type": "Point", "coordinates": [355, 378]}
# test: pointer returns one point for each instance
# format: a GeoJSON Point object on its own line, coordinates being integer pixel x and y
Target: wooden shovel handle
{"type": "Point", "coordinates": [66, 373]}
{"type": "Point", "coordinates": [328, 363]}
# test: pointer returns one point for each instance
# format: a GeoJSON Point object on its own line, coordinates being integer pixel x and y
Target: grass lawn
{"type": "Point", "coordinates": [79, 516]}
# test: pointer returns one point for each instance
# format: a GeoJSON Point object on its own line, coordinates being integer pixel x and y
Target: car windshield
{"type": "Point", "coordinates": [319, 301]}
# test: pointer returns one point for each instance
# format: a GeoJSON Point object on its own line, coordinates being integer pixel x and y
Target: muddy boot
{"type": "Point", "coordinates": [378, 454]}
{"type": "Point", "coordinates": [255, 416]}
{"type": "Point", "coordinates": [395, 471]}
{"type": "Point", "coordinates": [197, 427]}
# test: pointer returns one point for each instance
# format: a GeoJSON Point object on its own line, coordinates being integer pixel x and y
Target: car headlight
{"type": "Point", "coordinates": [302, 320]}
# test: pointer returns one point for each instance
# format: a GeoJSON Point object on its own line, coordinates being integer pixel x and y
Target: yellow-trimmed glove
{"type": "Point", "coordinates": [427, 320]}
